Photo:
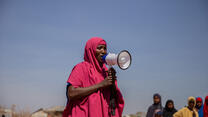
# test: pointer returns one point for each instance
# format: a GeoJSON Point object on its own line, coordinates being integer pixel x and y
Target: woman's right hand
{"type": "Point", "coordinates": [109, 80]}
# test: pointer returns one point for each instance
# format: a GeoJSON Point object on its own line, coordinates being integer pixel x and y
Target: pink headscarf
{"type": "Point", "coordinates": [89, 55]}
{"type": "Point", "coordinates": [86, 74]}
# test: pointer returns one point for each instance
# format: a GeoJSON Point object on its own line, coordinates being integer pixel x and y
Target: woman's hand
{"type": "Point", "coordinates": [110, 79]}
{"type": "Point", "coordinates": [107, 82]}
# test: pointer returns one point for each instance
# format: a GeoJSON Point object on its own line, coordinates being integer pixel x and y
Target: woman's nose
{"type": "Point", "coordinates": [103, 51]}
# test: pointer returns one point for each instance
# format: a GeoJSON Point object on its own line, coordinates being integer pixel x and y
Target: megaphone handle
{"type": "Point", "coordinates": [113, 72]}
{"type": "Point", "coordinates": [113, 93]}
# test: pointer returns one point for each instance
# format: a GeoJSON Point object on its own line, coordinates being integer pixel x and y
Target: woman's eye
{"type": "Point", "coordinates": [98, 47]}
{"type": "Point", "coordinates": [101, 47]}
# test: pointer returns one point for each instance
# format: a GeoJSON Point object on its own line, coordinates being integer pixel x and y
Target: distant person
{"type": "Point", "coordinates": [206, 107]}
{"type": "Point", "coordinates": [169, 109]}
{"type": "Point", "coordinates": [188, 111]}
{"type": "Point", "coordinates": [199, 106]}
{"type": "Point", "coordinates": [88, 90]}
{"type": "Point", "coordinates": [156, 105]}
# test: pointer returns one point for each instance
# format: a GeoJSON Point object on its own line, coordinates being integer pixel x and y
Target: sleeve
{"type": "Point", "coordinates": [196, 112]}
{"type": "Point", "coordinates": [67, 86]}
{"type": "Point", "coordinates": [178, 114]}
{"type": "Point", "coordinates": [76, 76]}
{"type": "Point", "coordinates": [148, 112]}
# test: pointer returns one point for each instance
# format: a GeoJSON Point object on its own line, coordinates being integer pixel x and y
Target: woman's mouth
{"type": "Point", "coordinates": [101, 57]}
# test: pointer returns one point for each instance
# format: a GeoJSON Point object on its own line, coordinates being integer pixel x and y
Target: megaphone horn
{"type": "Point", "coordinates": [123, 59]}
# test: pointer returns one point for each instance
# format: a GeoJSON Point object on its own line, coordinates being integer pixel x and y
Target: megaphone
{"type": "Point", "coordinates": [123, 59]}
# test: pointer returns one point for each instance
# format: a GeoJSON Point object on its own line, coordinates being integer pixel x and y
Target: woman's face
{"type": "Point", "coordinates": [100, 52]}
{"type": "Point", "coordinates": [170, 105]}
{"type": "Point", "coordinates": [199, 103]}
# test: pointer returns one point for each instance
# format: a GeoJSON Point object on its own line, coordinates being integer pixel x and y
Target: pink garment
{"type": "Point", "coordinates": [86, 74]}
{"type": "Point", "coordinates": [206, 107]}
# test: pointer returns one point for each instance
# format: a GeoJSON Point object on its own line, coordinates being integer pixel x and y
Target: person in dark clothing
{"type": "Point", "coordinates": [156, 105]}
{"type": "Point", "coordinates": [169, 109]}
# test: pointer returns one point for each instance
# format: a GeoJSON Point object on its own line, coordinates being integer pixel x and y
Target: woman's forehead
{"type": "Point", "coordinates": [100, 45]}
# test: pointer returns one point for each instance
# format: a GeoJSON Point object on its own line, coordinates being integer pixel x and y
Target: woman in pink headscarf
{"type": "Point", "coordinates": [89, 84]}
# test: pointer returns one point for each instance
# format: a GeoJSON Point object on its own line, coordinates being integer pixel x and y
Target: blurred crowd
{"type": "Point", "coordinates": [196, 107]}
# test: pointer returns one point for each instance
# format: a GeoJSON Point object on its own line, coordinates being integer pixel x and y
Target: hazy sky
{"type": "Point", "coordinates": [41, 41]}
